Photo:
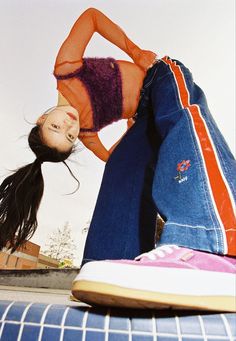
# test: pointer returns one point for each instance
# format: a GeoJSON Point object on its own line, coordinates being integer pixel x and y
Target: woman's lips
{"type": "Point", "coordinates": [72, 116]}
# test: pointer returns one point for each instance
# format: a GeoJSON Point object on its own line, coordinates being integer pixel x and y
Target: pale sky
{"type": "Point", "coordinates": [200, 33]}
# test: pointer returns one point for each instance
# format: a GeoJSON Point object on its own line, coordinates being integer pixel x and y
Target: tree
{"type": "Point", "coordinates": [61, 245]}
{"type": "Point", "coordinates": [86, 228]}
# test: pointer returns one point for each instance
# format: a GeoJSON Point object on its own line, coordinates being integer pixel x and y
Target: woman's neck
{"type": "Point", "coordinates": [62, 100]}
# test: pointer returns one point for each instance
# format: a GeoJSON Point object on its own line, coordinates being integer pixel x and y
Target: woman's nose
{"type": "Point", "coordinates": [68, 122]}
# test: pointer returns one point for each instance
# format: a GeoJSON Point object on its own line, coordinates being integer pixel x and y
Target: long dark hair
{"type": "Point", "coordinates": [21, 194]}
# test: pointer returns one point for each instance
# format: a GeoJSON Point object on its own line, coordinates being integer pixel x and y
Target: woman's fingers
{"type": "Point", "coordinates": [153, 63]}
{"type": "Point", "coordinates": [145, 59]}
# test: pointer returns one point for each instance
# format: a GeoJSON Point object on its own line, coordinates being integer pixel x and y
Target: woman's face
{"type": "Point", "coordinates": [60, 127]}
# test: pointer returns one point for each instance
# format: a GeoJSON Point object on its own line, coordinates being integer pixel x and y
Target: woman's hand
{"type": "Point", "coordinates": [144, 58]}
{"type": "Point", "coordinates": [130, 123]}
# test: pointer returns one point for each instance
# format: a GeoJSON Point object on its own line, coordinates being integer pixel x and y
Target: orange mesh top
{"type": "Point", "coordinates": [69, 59]}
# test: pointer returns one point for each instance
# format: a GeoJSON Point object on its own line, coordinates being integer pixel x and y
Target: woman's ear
{"type": "Point", "coordinates": [41, 119]}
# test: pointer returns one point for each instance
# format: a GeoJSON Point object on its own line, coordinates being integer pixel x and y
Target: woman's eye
{"type": "Point", "coordinates": [71, 137]}
{"type": "Point", "coordinates": [56, 126]}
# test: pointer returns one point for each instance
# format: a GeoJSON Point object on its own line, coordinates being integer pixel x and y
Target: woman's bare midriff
{"type": "Point", "coordinates": [132, 81]}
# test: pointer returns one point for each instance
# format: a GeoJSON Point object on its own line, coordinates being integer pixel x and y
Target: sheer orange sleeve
{"type": "Point", "coordinates": [69, 59]}
{"type": "Point", "coordinates": [92, 20]}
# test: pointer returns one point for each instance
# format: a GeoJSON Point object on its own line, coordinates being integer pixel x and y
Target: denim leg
{"type": "Point", "coordinates": [123, 222]}
{"type": "Point", "coordinates": [194, 183]}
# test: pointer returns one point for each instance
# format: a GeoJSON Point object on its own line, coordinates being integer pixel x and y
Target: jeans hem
{"type": "Point", "coordinates": [197, 237]}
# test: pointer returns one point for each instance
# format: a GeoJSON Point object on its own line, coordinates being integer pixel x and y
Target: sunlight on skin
{"type": "Point", "coordinates": [60, 127]}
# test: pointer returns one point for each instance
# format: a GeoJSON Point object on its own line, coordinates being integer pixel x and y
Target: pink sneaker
{"type": "Point", "coordinates": [168, 276]}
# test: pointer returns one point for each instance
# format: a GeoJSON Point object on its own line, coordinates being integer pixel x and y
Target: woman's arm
{"type": "Point", "coordinates": [92, 20]}
{"type": "Point", "coordinates": [94, 144]}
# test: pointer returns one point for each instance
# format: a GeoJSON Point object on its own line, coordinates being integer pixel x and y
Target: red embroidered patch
{"type": "Point", "coordinates": [183, 165]}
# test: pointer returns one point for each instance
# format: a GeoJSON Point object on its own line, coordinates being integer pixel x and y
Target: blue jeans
{"type": "Point", "coordinates": [173, 161]}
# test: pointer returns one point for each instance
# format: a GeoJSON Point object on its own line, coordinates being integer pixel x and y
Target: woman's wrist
{"type": "Point", "coordinates": [144, 58]}
{"type": "Point", "coordinates": [135, 53]}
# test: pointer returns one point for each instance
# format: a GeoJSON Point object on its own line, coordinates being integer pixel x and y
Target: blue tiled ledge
{"type": "Point", "coordinates": [24, 321]}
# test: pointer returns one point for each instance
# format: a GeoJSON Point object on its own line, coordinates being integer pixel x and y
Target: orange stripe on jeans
{"type": "Point", "coordinates": [219, 189]}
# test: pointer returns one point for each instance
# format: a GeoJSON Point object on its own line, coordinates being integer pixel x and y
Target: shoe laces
{"type": "Point", "coordinates": [159, 252]}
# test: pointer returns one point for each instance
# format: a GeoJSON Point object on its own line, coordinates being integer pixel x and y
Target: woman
{"type": "Point", "coordinates": [78, 114]}
{"type": "Point", "coordinates": [173, 161]}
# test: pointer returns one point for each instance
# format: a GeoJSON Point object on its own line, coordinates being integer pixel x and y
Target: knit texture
{"type": "Point", "coordinates": [102, 79]}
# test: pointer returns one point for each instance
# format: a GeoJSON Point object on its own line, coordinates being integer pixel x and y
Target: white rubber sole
{"type": "Point", "coordinates": [125, 285]}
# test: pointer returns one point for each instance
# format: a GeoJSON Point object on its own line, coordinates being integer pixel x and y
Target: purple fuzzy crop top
{"type": "Point", "coordinates": [102, 79]}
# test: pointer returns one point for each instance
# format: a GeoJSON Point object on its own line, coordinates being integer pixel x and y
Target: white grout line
{"type": "Point", "coordinates": [178, 328]}
{"type": "Point", "coordinates": [227, 327]}
{"type": "Point", "coordinates": [154, 328]}
{"type": "Point", "coordinates": [106, 326]}
{"type": "Point", "coordinates": [84, 325]}
{"type": "Point", "coordinates": [63, 323]}
{"type": "Point", "coordinates": [202, 328]}
{"type": "Point", "coordinates": [42, 321]}
{"type": "Point", "coordinates": [22, 320]}
{"type": "Point", "coordinates": [4, 316]}
{"type": "Point", "coordinates": [129, 330]}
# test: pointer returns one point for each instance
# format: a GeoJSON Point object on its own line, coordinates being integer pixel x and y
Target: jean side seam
{"type": "Point", "coordinates": [175, 85]}
{"type": "Point", "coordinates": [207, 124]}
{"type": "Point", "coordinates": [225, 169]}
{"type": "Point", "coordinates": [223, 164]}
{"type": "Point", "coordinates": [219, 238]}
{"type": "Point", "coordinates": [225, 172]}
{"type": "Point", "coordinates": [202, 175]}
{"type": "Point", "coordinates": [199, 163]}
